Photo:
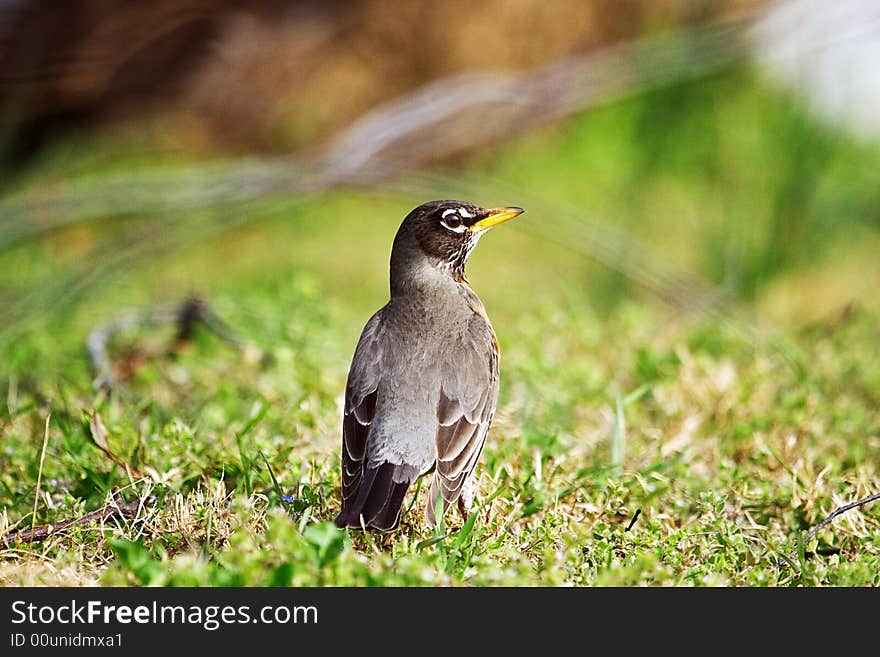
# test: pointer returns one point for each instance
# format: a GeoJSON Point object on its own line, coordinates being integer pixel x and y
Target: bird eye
{"type": "Point", "coordinates": [452, 220]}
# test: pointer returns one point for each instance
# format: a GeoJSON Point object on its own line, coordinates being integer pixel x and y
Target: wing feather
{"type": "Point", "coordinates": [468, 396]}
{"type": "Point", "coordinates": [361, 393]}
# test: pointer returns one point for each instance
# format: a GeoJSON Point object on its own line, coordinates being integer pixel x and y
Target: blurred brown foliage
{"type": "Point", "coordinates": [266, 75]}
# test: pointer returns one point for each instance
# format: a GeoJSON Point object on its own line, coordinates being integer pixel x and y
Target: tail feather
{"type": "Point", "coordinates": [378, 500]}
{"type": "Point", "coordinates": [388, 517]}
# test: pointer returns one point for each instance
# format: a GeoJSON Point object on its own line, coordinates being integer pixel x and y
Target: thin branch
{"type": "Point", "coordinates": [98, 339]}
{"type": "Point", "coordinates": [116, 509]}
{"type": "Point", "coordinates": [184, 316]}
{"type": "Point", "coordinates": [815, 530]}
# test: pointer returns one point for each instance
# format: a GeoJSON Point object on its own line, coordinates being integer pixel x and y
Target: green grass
{"type": "Point", "coordinates": [732, 432]}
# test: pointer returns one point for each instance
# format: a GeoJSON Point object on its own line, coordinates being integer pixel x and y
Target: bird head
{"type": "Point", "coordinates": [444, 233]}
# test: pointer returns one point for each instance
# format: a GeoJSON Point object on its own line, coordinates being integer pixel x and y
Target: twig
{"type": "Point", "coordinates": [194, 310]}
{"type": "Point", "coordinates": [634, 518]}
{"type": "Point", "coordinates": [116, 509]}
{"type": "Point", "coordinates": [815, 530]}
{"type": "Point", "coordinates": [96, 343]}
{"type": "Point", "coordinates": [188, 315]}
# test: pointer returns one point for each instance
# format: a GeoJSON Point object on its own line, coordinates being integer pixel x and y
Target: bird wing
{"type": "Point", "coordinates": [360, 404]}
{"type": "Point", "coordinates": [468, 397]}
{"type": "Point", "coordinates": [372, 489]}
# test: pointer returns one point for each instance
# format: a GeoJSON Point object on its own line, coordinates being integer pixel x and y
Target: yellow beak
{"type": "Point", "coordinates": [496, 216]}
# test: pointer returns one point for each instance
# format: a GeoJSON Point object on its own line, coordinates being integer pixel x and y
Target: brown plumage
{"type": "Point", "coordinates": [423, 383]}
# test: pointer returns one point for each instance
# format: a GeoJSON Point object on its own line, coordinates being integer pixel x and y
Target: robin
{"type": "Point", "coordinates": [423, 383]}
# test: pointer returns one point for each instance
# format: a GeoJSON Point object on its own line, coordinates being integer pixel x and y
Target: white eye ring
{"type": "Point", "coordinates": [456, 225]}
{"type": "Point", "coordinates": [458, 213]}
{"type": "Point", "coordinates": [462, 212]}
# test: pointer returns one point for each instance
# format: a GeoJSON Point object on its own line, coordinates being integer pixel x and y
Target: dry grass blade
{"type": "Point", "coordinates": [99, 435]}
{"type": "Point", "coordinates": [40, 470]}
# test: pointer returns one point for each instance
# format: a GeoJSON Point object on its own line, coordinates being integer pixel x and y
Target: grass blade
{"type": "Point", "coordinates": [239, 438]}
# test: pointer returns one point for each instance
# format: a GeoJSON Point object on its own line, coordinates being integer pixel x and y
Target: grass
{"type": "Point", "coordinates": [731, 433]}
